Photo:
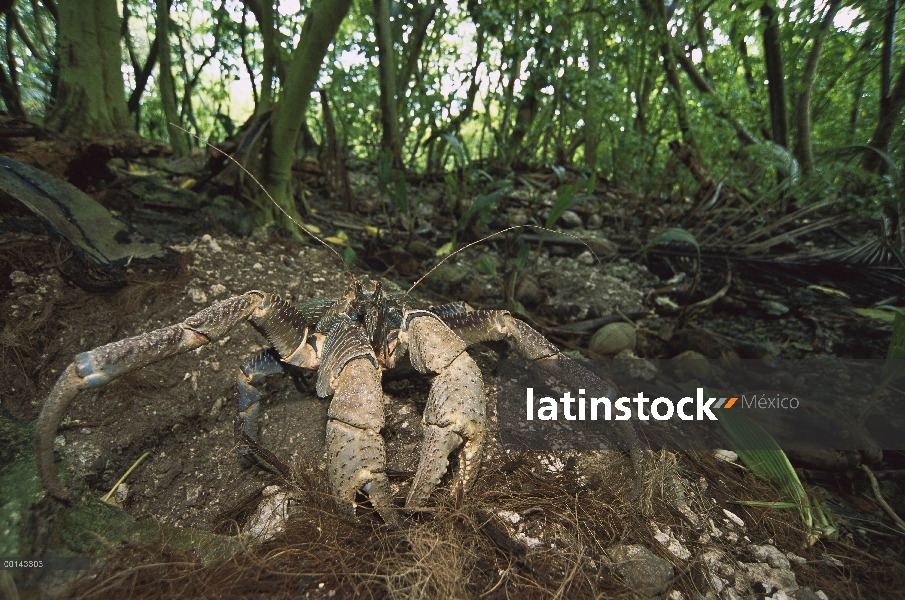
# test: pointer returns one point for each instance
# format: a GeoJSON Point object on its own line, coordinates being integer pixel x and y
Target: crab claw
{"type": "Point", "coordinates": [454, 418]}
{"type": "Point", "coordinates": [356, 456]}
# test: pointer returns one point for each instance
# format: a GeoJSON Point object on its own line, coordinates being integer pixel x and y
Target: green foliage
{"type": "Point", "coordinates": [534, 67]}
{"type": "Point", "coordinates": [760, 453]}
{"type": "Point", "coordinates": [894, 367]}
{"type": "Point", "coordinates": [673, 234]}
{"type": "Point", "coordinates": [486, 265]}
{"type": "Point", "coordinates": [482, 208]}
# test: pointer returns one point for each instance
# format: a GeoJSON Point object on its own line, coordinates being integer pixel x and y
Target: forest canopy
{"type": "Point", "coordinates": [806, 92]}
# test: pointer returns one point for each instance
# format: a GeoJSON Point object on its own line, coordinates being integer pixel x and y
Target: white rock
{"type": "Point", "coordinates": [586, 258]}
{"type": "Point", "coordinates": [734, 518]}
{"type": "Point", "coordinates": [770, 555]}
{"type": "Point", "coordinates": [508, 515]}
{"type": "Point", "coordinates": [726, 456]}
{"type": "Point", "coordinates": [269, 519]}
{"type": "Point", "coordinates": [19, 278]}
{"type": "Point", "coordinates": [218, 289]}
{"type": "Point", "coordinates": [197, 296]}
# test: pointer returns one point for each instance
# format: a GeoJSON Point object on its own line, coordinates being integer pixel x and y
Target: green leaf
{"type": "Point", "coordinates": [764, 504]}
{"type": "Point", "coordinates": [868, 148]}
{"type": "Point", "coordinates": [565, 197]}
{"type": "Point", "coordinates": [592, 183]}
{"type": "Point", "coordinates": [481, 210]}
{"type": "Point", "coordinates": [560, 172]}
{"type": "Point", "coordinates": [894, 368]}
{"type": "Point", "coordinates": [350, 256]}
{"type": "Point", "coordinates": [454, 143]}
{"type": "Point", "coordinates": [673, 234]}
{"type": "Point", "coordinates": [486, 265]}
{"type": "Point", "coordinates": [522, 257]}
{"type": "Point", "coordinates": [760, 453]}
{"type": "Point", "coordinates": [385, 171]}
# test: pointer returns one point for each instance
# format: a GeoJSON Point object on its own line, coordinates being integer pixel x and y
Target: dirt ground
{"type": "Point", "coordinates": [563, 512]}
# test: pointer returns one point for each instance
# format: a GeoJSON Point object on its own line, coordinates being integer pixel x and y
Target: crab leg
{"type": "Point", "coordinates": [285, 327]}
{"type": "Point", "coordinates": [454, 418]}
{"type": "Point", "coordinates": [248, 398]}
{"type": "Point", "coordinates": [486, 325]}
{"type": "Point", "coordinates": [356, 455]}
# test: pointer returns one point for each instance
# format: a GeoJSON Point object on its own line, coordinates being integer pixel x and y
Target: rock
{"type": "Point", "coordinates": [770, 555]}
{"type": "Point", "coordinates": [612, 338]}
{"type": "Point", "coordinates": [450, 274]}
{"type": "Point", "coordinates": [516, 218]}
{"type": "Point", "coordinates": [586, 258]}
{"type": "Point", "coordinates": [774, 308]}
{"type": "Point", "coordinates": [641, 570]}
{"type": "Point", "coordinates": [218, 289]}
{"type": "Point", "coordinates": [522, 195]}
{"type": "Point", "coordinates": [570, 220]}
{"type": "Point", "coordinates": [595, 221]}
{"type": "Point", "coordinates": [770, 579]}
{"type": "Point", "coordinates": [420, 249]}
{"type": "Point", "coordinates": [269, 520]}
{"type": "Point", "coordinates": [197, 296]}
{"type": "Point", "coordinates": [633, 366]}
{"type": "Point", "coordinates": [726, 456]}
{"type": "Point", "coordinates": [807, 593]}
{"type": "Point", "coordinates": [602, 247]}
{"type": "Point", "coordinates": [694, 364]}
{"type": "Point", "coordinates": [19, 278]}
{"type": "Point", "coordinates": [528, 292]}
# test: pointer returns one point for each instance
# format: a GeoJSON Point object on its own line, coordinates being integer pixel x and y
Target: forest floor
{"type": "Point", "coordinates": [536, 524]}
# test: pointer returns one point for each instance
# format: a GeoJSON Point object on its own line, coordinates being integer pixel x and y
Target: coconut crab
{"type": "Point", "coordinates": [349, 341]}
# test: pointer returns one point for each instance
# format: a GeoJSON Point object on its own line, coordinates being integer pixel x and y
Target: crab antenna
{"type": "Point", "coordinates": [484, 239]}
{"type": "Point", "coordinates": [263, 189]}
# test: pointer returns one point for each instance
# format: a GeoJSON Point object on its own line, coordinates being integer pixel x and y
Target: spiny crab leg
{"type": "Point", "coordinates": [283, 325]}
{"type": "Point", "coordinates": [487, 325]}
{"type": "Point", "coordinates": [455, 416]}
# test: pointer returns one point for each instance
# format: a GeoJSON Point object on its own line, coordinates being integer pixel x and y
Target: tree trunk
{"type": "Point", "coordinates": [883, 132]}
{"type": "Point", "coordinates": [530, 104]}
{"type": "Point", "coordinates": [9, 85]}
{"type": "Point", "coordinates": [804, 150]}
{"type": "Point", "coordinates": [885, 124]}
{"type": "Point", "coordinates": [389, 105]}
{"type": "Point", "coordinates": [656, 11]}
{"type": "Point", "coordinates": [415, 43]}
{"type": "Point", "coordinates": [167, 86]}
{"type": "Point", "coordinates": [592, 110]}
{"type": "Point", "coordinates": [263, 12]}
{"type": "Point", "coordinates": [321, 24]}
{"type": "Point", "coordinates": [89, 96]}
{"type": "Point", "coordinates": [779, 117]}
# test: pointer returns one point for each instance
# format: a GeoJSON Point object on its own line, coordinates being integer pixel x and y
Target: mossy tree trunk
{"type": "Point", "coordinates": [389, 104]}
{"type": "Point", "coordinates": [178, 139]}
{"type": "Point", "coordinates": [779, 114]}
{"type": "Point", "coordinates": [320, 27]}
{"type": "Point", "coordinates": [89, 98]}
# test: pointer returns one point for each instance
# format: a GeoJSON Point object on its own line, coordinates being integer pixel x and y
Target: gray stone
{"type": "Point", "coordinates": [770, 555]}
{"type": "Point", "coordinates": [613, 338]}
{"type": "Point", "coordinates": [595, 221]}
{"type": "Point", "coordinates": [602, 247]}
{"type": "Point", "coordinates": [769, 578]}
{"type": "Point", "coordinates": [570, 220]}
{"type": "Point", "coordinates": [643, 571]}
{"type": "Point", "coordinates": [586, 258]}
{"type": "Point", "coordinates": [806, 593]}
